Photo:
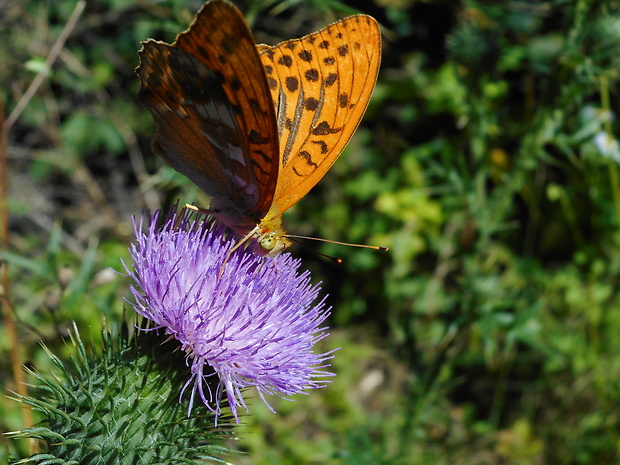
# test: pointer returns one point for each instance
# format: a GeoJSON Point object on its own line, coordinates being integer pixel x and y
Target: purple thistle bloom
{"type": "Point", "coordinates": [253, 326]}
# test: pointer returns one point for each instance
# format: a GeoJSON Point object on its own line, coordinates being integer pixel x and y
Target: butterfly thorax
{"type": "Point", "coordinates": [268, 232]}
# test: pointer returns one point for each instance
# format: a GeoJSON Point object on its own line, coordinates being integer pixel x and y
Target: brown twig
{"type": "Point", "coordinates": [5, 297]}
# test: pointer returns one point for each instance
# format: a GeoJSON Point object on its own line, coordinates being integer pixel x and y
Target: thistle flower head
{"type": "Point", "coordinates": [251, 322]}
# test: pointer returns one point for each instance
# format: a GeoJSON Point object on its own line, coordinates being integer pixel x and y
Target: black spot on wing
{"type": "Point", "coordinates": [219, 76]}
{"type": "Point", "coordinates": [331, 79]}
{"type": "Point", "coordinates": [203, 51]}
{"type": "Point", "coordinates": [292, 83]}
{"type": "Point", "coordinates": [312, 75]}
{"type": "Point", "coordinates": [311, 104]}
{"type": "Point", "coordinates": [307, 158]}
{"type": "Point", "coordinates": [305, 55]}
{"type": "Point", "coordinates": [255, 138]}
{"type": "Point", "coordinates": [285, 60]}
{"type": "Point", "coordinates": [322, 145]}
{"type": "Point", "coordinates": [256, 164]}
{"type": "Point", "coordinates": [323, 129]}
{"type": "Point", "coordinates": [228, 43]}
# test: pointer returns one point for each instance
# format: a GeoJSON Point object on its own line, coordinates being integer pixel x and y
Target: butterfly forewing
{"type": "Point", "coordinates": [215, 119]}
{"type": "Point", "coordinates": [320, 85]}
{"type": "Point", "coordinates": [194, 129]}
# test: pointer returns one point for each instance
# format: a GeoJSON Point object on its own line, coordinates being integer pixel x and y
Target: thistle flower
{"type": "Point", "coordinates": [115, 402]}
{"type": "Point", "coordinates": [253, 326]}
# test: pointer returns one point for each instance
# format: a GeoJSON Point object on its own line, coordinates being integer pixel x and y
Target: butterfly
{"type": "Point", "coordinates": [257, 126]}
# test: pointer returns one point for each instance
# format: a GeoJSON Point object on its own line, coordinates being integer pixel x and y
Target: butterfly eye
{"type": "Point", "coordinates": [268, 241]}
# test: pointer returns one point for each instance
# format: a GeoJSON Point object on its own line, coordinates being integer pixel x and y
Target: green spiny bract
{"type": "Point", "coordinates": [121, 406]}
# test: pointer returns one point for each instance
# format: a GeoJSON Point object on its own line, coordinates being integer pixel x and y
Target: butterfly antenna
{"type": "Point", "coordinates": [329, 257]}
{"type": "Point", "coordinates": [374, 247]}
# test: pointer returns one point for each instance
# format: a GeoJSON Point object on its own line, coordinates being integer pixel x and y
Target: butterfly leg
{"type": "Point", "coordinates": [187, 206]}
{"type": "Point", "coordinates": [254, 232]}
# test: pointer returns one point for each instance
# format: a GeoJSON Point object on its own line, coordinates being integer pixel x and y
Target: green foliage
{"type": "Point", "coordinates": [487, 162]}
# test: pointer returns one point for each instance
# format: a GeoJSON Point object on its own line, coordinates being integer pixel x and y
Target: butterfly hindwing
{"type": "Point", "coordinates": [321, 85]}
{"type": "Point", "coordinates": [214, 113]}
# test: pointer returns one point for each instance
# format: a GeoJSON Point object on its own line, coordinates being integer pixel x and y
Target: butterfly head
{"type": "Point", "coordinates": [272, 243]}
{"type": "Point", "coordinates": [271, 236]}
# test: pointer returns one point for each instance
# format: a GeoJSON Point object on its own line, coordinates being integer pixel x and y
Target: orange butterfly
{"type": "Point", "coordinates": [256, 127]}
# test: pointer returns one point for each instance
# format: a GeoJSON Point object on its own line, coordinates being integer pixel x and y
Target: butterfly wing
{"type": "Point", "coordinates": [321, 85]}
{"type": "Point", "coordinates": [215, 117]}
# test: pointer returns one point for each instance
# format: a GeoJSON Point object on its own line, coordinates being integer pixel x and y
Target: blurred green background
{"type": "Point", "coordinates": [487, 162]}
